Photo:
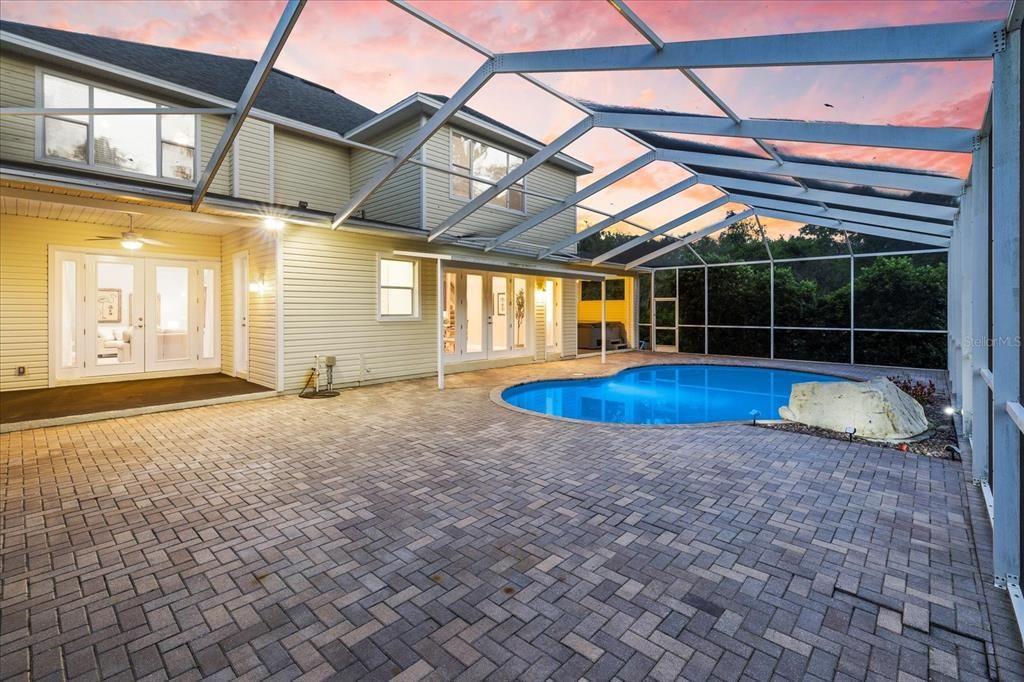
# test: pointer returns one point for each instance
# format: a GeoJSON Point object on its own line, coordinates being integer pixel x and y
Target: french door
{"type": "Point", "coordinates": [486, 316]}
{"type": "Point", "coordinates": [113, 314]}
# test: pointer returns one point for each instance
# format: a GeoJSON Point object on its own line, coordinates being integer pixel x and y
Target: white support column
{"type": "Point", "coordinates": [965, 230]}
{"type": "Point", "coordinates": [952, 314]}
{"type": "Point", "coordinates": [440, 324]}
{"type": "Point", "coordinates": [1006, 313]}
{"type": "Point", "coordinates": [977, 270]}
{"type": "Point", "coordinates": [604, 315]}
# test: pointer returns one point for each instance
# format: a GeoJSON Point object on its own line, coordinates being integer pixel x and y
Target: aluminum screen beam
{"type": "Point", "coordinates": [917, 182]}
{"type": "Point", "coordinates": [621, 215]}
{"type": "Point", "coordinates": [891, 44]}
{"type": "Point", "coordinates": [667, 227]}
{"type": "Point", "coordinates": [1006, 309]}
{"type": "Point", "coordinates": [856, 201]}
{"type": "Point", "coordinates": [571, 200]}
{"type": "Point", "coordinates": [112, 111]}
{"type": "Point", "coordinates": [418, 139]}
{"type": "Point", "coordinates": [528, 166]}
{"type": "Point", "coordinates": [820, 221]}
{"type": "Point", "coordinates": [896, 137]}
{"type": "Point", "coordinates": [257, 78]}
{"type": "Point", "coordinates": [690, 238]}
{"type": "Point", "coordinates": [841, 214]}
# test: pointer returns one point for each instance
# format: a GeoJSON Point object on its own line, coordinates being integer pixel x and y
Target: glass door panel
{"type": "Point", "coordinates": [520, 306]}
{"type": "Point", "coordinates": [168, 331]}
{"type": "Point", "coordinates": [117, 315]}
{"type": "Point", "coordinates": [208, 313]}
{"type": "Point", "coordinates": [69, 334]}
{"type": "Point", "coordinates": [473, 306]}
{"type": "Point", "coordinates": [499, 314]}
{"type": "Point", "coordinates": [450, 316]}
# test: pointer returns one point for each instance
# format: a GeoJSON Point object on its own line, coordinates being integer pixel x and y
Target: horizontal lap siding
{"type": "Point", "coordinates": [254, 160]}
{"type": "Point", "coordinates": [211, 128]}
{"type": "Point", "coordinates": [397, 201]}
{"type": "Point", "coordinates": [261, 247]}
{"type": "Point", "coordinates": [569, 317]}
{"type": "Point", "coordinates": [24, 285]}
{"type": "Point", "coordinates": [17, 89]}
{"type": "Point", "coordinates": [309, 170]}
{"type": "Point", "coordinates": [489, 221]}
{"type": "Point", "coordinates": [331, 309]}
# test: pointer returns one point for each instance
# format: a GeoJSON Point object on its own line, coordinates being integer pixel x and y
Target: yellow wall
{"type": "Point", "coordinates": [261, 247]}
{"type": "Point", "coordinates": [24, 284]}
{"type": "Point", "coordinates": [616, 311]}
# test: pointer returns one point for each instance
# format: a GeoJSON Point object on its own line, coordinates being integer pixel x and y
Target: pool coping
{"type": "Point", "coordinates": [496, 393]}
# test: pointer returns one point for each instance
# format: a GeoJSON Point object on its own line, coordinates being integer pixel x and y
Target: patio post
{"type": "Point", "coordinates": [1006, 318]}
{"type": "Point", "coordinates": [440, 324]}
{"type": "Point", "coordinates": [604, 337]}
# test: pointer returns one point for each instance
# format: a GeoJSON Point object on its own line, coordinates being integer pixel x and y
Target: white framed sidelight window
{"type": "Point", "coordinates": [135, 145]}
{"type": "Point", "coordinates": [398, 290]}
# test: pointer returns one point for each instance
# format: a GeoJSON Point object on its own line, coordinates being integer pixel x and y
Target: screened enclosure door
{"type": "Point", "coordinates": [665, 326]}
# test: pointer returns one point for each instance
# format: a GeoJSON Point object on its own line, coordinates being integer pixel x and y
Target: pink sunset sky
{"type": "Point", "coordinates": [376, 54]}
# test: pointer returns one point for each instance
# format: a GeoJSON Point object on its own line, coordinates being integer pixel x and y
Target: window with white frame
{"type": "Point", "coordinates": [486, 163]}
{"type": "Point", "coordinates": [158, 146]}
{"type": "Point", "coordinates": [398, 297]}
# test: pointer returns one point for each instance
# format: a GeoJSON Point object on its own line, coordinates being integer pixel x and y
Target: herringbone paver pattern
{"type": "Point", "coordinates": [401, 532]}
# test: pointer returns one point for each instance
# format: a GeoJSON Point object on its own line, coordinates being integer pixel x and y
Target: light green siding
{"type": "Point", "coordinates": [490, 221]}
{"type": "Point", "coordinates": [397, 201]}
{"type": "Point", "coordinates": [310, 170]}
{"type": "Point", "coordinates": [254, 143]}
{"type": "Point", "coordinates": [210, 130]}
{"type": "Point", "coordinates": [17, 89]}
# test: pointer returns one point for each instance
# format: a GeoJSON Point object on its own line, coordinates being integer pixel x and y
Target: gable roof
{"type": "Point", "coordinates": [467, 119]}
{"type": "Point", "coordinates": [225, 77]}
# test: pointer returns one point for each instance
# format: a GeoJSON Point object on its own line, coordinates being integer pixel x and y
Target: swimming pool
{"type": "Point", "coordinates": [664, 394]}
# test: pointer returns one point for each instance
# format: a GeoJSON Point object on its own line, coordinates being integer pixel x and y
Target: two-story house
{"type": "Point", "coordinates": [106, 273]}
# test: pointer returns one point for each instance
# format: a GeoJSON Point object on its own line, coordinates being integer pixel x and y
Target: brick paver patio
{"type": "Point", "coordinates": [400, 531]}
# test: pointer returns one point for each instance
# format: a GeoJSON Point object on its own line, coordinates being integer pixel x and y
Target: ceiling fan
{"type": "Point", "coordinates": [131, 239]}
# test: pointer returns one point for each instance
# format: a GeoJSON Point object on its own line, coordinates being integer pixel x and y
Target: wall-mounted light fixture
{"type": "Point", "coordinates": [272, 223]}
{"type": "Point", "coordinates": [258, 287]}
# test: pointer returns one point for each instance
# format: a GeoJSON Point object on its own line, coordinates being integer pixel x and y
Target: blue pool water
{"type": "Point", "coordinates": [665, 394]}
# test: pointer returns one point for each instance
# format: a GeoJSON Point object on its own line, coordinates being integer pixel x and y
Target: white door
{"type": "Point", "coordinates": [476, 320]}
{"type": "Point", "coordinates": [240, 267]}
{"type": "Point", "coordinates": [552, 316]}
{"type": "Point", "coordinates": [115, 338]}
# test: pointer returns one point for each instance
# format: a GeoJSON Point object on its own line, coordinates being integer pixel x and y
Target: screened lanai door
{"type": "Point", "coordinates": [486, 316]}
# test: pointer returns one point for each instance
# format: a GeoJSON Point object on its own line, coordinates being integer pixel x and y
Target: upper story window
{"type": "Point", "coordinates": [487, 163]}
{"type": "Point", "coordinates": [159, 146]}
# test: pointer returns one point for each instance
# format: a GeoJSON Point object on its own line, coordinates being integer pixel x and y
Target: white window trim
{"type": "Point", "coordinates": [416, 290]}
{"type": "Point", "coordinates": [90, 165]}
{"type": "Point", "coordinates": [486, 181]}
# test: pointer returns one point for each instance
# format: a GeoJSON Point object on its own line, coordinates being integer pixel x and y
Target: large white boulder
{"type": "Point", "coordinates": [876, 408]}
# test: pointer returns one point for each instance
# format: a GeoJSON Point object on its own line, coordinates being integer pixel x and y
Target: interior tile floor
{"type": "Point", "coordinates": [398, 531]}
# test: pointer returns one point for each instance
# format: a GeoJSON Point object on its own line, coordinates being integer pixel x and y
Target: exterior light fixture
{"type": "Point", "coordinates": [754, 414]}
{"type": "Point", "coordinates": [949, 410]}
{"type": "Point", "coordinates": [131, 244]}
{"type": "Point", "coordinates": [850, 430]}
{"type": "Point", "coordinates": [258, 287]}
{"type": "Point", "coordinates": [272, 223]}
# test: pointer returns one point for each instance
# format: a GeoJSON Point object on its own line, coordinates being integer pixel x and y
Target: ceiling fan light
{"type": "Point", "coordinates": [131, 244]}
